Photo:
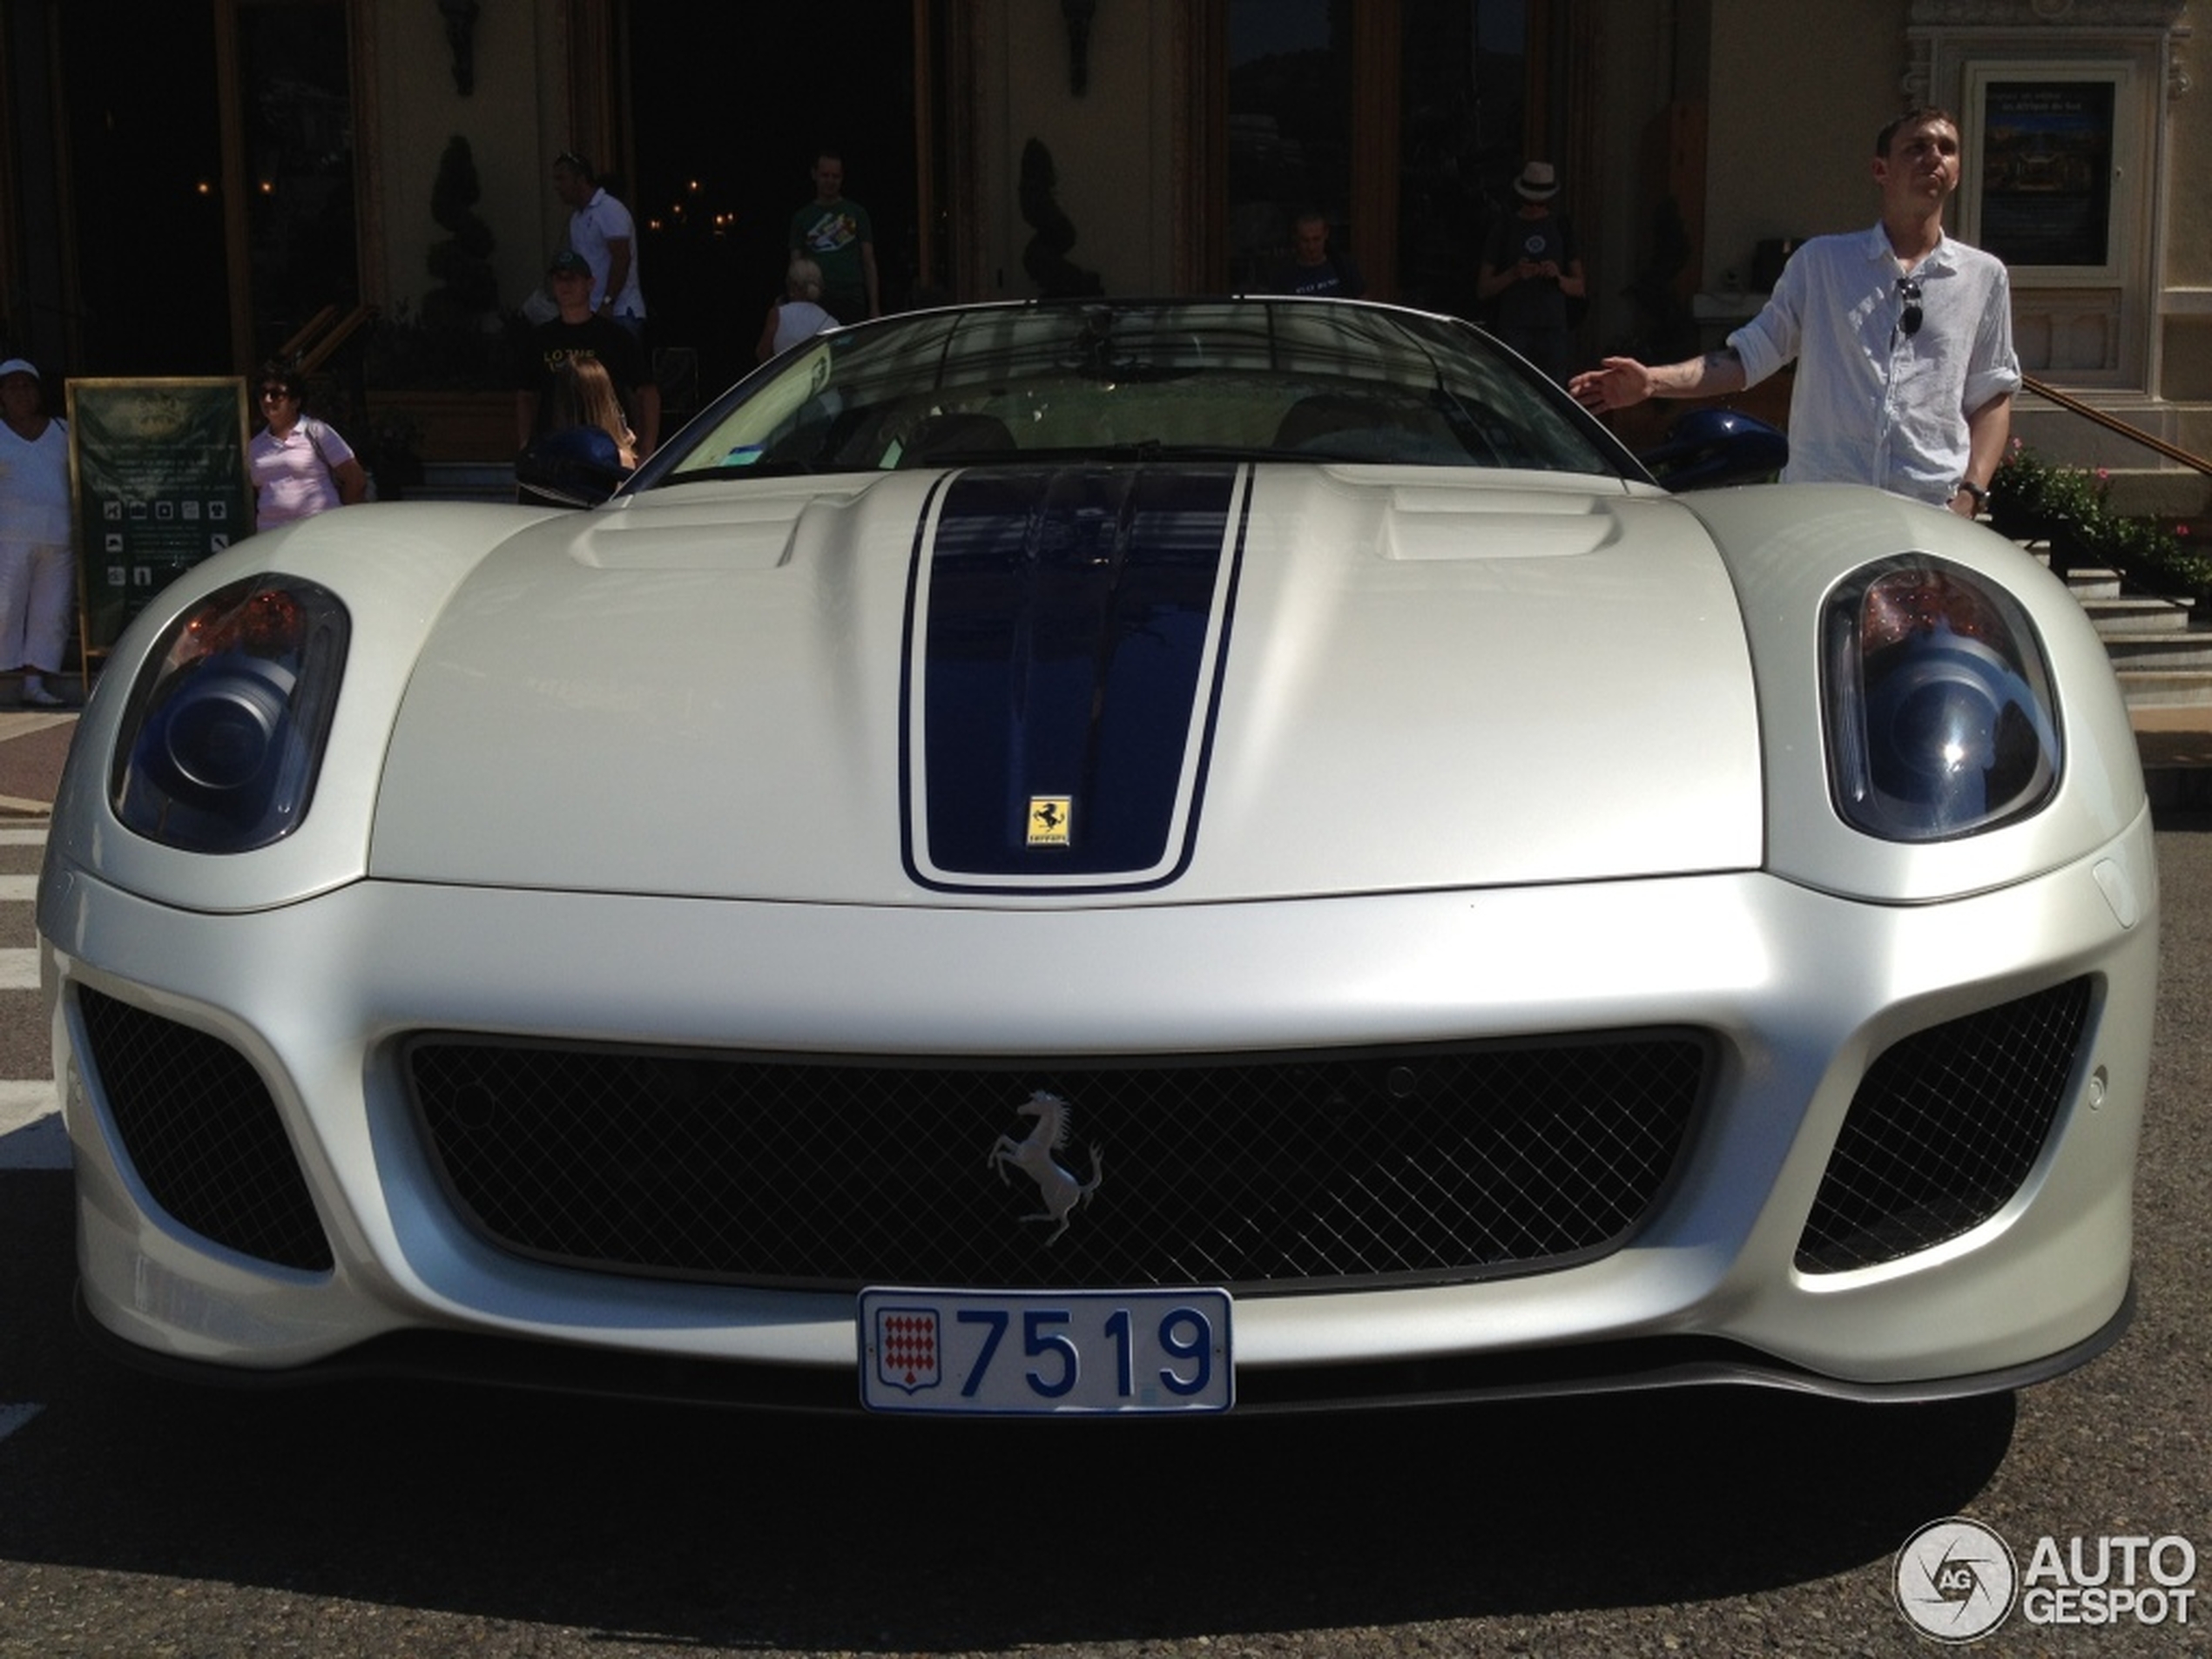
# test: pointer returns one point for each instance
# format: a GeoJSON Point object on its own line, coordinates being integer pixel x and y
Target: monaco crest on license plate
{"type": "Point", "coordinates": [907, 1348]}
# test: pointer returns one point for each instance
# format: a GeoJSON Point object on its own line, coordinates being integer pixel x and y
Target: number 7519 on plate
{"type": "Point", "coordinates": [1041, 1353]}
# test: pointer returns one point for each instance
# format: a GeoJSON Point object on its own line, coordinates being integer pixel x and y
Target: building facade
{"type": "Point", "coordinates": [200, 197]}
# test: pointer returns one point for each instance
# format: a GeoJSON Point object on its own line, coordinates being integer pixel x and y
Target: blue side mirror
{"type": "Point", "coordinates": [1709, 448]}
{"type": "Point", "coordinates": [576, 467]}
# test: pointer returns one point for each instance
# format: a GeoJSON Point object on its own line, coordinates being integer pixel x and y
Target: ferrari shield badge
{"type": "Point", "coordinates": [905, 1348]}
{"type": "Point", "coordinates": [1050, 819]}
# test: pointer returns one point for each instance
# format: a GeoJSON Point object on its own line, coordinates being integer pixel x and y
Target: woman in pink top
{"type": "Point", "coordinates": [300, 466]}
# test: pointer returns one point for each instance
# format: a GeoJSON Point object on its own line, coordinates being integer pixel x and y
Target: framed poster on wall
{"type": "Point", "coordinates": [2047, 144]}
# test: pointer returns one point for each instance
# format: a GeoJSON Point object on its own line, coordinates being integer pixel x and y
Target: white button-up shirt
{"type": "Point", "coordinates": [1873, 404]}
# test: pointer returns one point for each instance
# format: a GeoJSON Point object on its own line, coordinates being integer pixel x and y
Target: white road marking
{"type": "Point", "coordinates": [32, 1136]}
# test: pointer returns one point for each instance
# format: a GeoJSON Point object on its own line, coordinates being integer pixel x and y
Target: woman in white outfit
{"type": "Point", "coordinates": [797, 316]}
{"type": "Point", "coordinates": [37, 571]}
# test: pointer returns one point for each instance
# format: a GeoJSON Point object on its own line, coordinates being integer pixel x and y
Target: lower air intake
{"type": "Point", "coordinates": [1945, 1127]}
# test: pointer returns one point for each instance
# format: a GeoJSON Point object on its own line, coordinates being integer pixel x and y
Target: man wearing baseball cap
{"type": "Point", "coordinates": [580, 332]}
{"type": "Point", "coordinates": [37, 575]}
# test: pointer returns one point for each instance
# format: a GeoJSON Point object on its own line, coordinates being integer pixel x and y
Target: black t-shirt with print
{"type": "Point", "coordinates": [555, 342]}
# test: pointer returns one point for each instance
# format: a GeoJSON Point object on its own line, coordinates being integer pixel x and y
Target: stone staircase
{"type": "Point", "coordinates": [2163, 657]}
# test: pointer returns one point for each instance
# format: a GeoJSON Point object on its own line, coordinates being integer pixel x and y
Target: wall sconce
{"type": "Point", "coordinates": [1078, 14]}
{"type": "Point", "coordinates": [461, 37]}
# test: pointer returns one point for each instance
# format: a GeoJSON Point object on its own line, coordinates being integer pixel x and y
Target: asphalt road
{"type": "Point", "coordinates": [137, 1518]}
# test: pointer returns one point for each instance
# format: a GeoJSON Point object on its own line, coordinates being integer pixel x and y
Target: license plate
{"type": "Point", "coordinates": [1033, 1353]}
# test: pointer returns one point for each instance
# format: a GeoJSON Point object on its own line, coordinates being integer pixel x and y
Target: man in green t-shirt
{"type": "Point", "coordinates": [836, 235]}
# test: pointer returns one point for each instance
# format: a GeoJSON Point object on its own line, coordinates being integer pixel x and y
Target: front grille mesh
{"type": "Point", "coordinates": [1419, 1165]}
{"type": "Point", "coordinates": [1945, 1127]}
{"type": "Point", "coordinates": [199, 1127]}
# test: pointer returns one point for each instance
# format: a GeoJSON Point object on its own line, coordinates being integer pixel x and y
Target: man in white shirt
{"type": "Point", "coordinates": [601, 230]}
{"type": "Point", "coordinates": [1903, 338]}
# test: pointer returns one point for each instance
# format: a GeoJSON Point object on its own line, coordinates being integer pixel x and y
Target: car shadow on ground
{"type": "Point", "coordinates": [689, 1526]}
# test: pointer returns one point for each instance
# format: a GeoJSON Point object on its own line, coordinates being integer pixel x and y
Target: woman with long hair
{"type": "Point", "coordinates": [583, 395]}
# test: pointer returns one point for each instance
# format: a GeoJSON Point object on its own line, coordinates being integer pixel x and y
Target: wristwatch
{"type": "Point", "coordinates": [1981, 495]}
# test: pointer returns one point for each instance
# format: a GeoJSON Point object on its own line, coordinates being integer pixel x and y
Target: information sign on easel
{"type": "Point", "coordinates": [159, 471]}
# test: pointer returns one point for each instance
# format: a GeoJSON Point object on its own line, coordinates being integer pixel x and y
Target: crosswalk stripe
{"type": "Point", "coordinates": [22, 1100]}
{"type": "Point", "coordinates": [32, 1136]}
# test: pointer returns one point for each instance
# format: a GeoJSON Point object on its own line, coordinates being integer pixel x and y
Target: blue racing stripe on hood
{"type": "Point", "coordinates": [1061, 667]}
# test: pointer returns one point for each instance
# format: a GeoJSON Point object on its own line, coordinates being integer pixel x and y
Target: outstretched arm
{"type": "Point", "coordinates": [1622, 382]}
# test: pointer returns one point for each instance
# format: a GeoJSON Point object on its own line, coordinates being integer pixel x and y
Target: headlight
{"type": "Point", "coordinates": [1941, 720]}
{"type": "Point", "coordinates": [223, 738]}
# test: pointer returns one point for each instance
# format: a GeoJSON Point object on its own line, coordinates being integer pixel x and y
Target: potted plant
{"type": "Point", "coordinates": [2032, 500]}
{"type": "Point", "coordinates": [439, 377]}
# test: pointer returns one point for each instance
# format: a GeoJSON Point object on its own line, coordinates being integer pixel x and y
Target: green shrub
{"type": "Point", "coordinates": [2032, 500]}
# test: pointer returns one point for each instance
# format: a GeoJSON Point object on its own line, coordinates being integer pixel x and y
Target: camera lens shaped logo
{"type": "Point", "coordinates": [1955, 1580]}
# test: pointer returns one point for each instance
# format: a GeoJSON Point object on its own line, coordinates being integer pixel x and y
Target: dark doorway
{"type": "Point", "coordinates": [728, 105]}
{"type": "Point", "coordinates": [1465, 106]}
{"type": "Point", "coordinates": [147, 182]}
{"type": "Point", "coordinates": [297, 129]}
{"type": "Point", "coordinates": [151, 188]}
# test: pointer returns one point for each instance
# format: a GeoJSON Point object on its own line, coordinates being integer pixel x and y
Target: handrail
{"type": "Point", "coordinates": [308, 330]}
{"type": "Point", "coordinates": [2114, 423]}
{"type": "Point", "coordinates": [339, 333]}
{"type": "Point", "coordinates": [334, 333]}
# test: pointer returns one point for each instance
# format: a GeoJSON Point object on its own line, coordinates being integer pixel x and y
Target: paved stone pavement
{"type": "Point", "coordinates": [32, 747]}
{"type": "Point", "coordinates": [2176, 737]}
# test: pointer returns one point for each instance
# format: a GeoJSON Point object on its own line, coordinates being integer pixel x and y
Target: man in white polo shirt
{"type": "Point", "coordinates": [1903, 338]}
{"type": "Point", "coordinates": [601, 230]}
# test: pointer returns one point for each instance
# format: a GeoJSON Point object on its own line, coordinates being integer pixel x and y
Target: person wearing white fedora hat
{"type": "Point", "coordinates": [37, 577]}
{"type": "Point", "coordinates": [1537, 182]}
{"type": "Point", "coordinates": [1530, 271]}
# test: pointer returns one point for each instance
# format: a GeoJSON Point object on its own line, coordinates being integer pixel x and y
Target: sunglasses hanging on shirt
{"type": "Point", "coordinates": [1909, 291]}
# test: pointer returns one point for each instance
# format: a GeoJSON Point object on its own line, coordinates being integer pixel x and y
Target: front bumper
{"type": "Point", "coordinates": [1797, 992]}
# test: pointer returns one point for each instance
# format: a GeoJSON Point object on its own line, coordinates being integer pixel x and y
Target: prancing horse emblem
{"type": "Point", "coordinates": [1060, 1191]}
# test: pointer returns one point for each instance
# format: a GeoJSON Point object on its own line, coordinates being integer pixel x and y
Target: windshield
{"type": "Point", "coordinates": [1209, 379]}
